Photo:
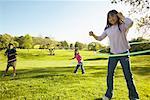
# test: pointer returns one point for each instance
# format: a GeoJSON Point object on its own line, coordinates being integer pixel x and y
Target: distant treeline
{"type": "Point", "coordinates": [29, 42]}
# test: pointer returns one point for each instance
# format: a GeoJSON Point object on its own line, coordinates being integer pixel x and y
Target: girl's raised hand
{"type": "Point", "coordinates": [91, 33]}
{"type": "Point", "coordinates": [120, 15]}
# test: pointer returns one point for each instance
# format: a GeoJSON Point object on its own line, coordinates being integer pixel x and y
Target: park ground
{"type": "Point", "coordinates": [44, 77]}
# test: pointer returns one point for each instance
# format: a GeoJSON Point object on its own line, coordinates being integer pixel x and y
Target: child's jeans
{"type": "Point", "coordinates": [125, 63]}
{"type": "Point", "coordinates": [80, 64]}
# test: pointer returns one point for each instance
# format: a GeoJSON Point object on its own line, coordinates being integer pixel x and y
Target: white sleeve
{"type": "Point", "coordinates": [101, 37]}
{"type": "Point", "coordinates": [128, 23]}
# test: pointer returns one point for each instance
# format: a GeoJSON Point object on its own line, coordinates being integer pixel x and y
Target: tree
{"type": "Point", "coordinates": [143, 26]}
{"type": "Point", "coordinates": [58, 45]}
{"type": "Point", "coordinates": [5, 40]}
{"type": "Point", "coordinates": [16, 44]}
{"type": "Point", "coordinates": [80, 45]}
{"type": "Point", "coordinates": [44, 43]}
{"type": "Point", "coordinates": [1, 45]}
{"type": "Point", "coordinates": [27, 42]}
{"type": "Point", "coordinates": [64, 44]}
{"type": "Point", "coordinates": [94, 46]}
{"type": "Point", "coordinates": [138, 6]}
{"type": "Point", "coordinates": [47, 42]}
{"type": "Point", "coordinates": [20, 41]}
{"type": "Point", "coordinates": [37, 41]}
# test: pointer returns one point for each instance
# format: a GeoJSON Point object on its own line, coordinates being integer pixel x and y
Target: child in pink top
{"type": "Point", "coordinates": [79, 59]}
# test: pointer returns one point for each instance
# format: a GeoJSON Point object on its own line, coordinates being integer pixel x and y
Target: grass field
{"type": "Point", "coordinates": [44, 77]}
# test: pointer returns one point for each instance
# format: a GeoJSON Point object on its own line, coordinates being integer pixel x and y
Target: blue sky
{"type": "Point", "coordinates": [62, 20]}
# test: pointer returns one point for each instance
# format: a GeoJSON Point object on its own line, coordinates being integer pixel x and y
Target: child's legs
{"type": "Point", "coordinates": [14, 67]}
{"type": "Point", "coordinates": [128, 76]}
{"type": "Point", "coordinates": [6, 70]}
{"type": "Point", "coordinates": [82, 68]}
{"type": "Point", "coordinates": [111, 67]}
{"type": "Point", "coordinates": [76, 69]}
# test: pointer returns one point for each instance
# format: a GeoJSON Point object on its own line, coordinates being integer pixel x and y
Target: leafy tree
{"type": "Point", "coordinates": [37, 41]}
{"type": "Point", "coordinates": [94, 46]}
{"type": "Point", "coordinates": [27, 42]}
{"type": "Point", "coordinates": [5, 39]}
{"type": "Point", "coordinates": [80, 45]}
{"type": "Point", "coordinates": [20, 41]}
{"type": "Point", "coordinates": [64, 44]}
{"type": "Point", "coordinates": [16, 44]}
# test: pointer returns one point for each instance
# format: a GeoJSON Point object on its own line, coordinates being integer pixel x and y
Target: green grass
{"type": "Point", "coordinates": [44, 77]}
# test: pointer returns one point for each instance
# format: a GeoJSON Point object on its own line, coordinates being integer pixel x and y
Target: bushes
{"type": "Point", "coordinates": [140, 46]}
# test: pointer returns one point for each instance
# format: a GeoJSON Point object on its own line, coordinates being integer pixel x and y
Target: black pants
{"type": "Point", "coordinates": [125, 63]}
{"type": "Point", "coordinates": [77, 67]}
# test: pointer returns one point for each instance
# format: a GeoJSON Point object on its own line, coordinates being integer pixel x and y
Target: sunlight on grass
{"type": "Point", "coordinates": [41, 76]}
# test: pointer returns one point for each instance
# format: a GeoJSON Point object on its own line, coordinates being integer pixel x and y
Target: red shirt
{"type": "Point", "coordinates": [78, 57]}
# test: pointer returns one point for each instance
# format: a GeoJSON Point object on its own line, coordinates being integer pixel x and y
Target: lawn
{"type": "Point", "coordinates": [44, 77]}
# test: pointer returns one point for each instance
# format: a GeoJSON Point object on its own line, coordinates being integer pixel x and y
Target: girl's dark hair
{"type": "Point", "coordinates": [112, 12]}
{"type": "Point", "coordinates": [76, 51]}
{"type": "Point", "coordinates": [10, 44]}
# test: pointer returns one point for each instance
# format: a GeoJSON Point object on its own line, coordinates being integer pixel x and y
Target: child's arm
{"type": "Point", "coordinates": [127, 21]}
{"type": "Point", "coordinates": [99, 38]}
{"type": "Point", "coordinates": [92, 34]}
{"type": "Point", "coordinates": [121, 17]}
{"type": "Point", "coordinates": [73, 57]}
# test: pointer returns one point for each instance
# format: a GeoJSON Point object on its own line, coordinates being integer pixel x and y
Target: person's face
{"type": "Point", "coordinates": [112, 19]}
{"type": "Point", "coordinates": [76, 52]}
{"type": "Point", "coordinates": [11, 46]}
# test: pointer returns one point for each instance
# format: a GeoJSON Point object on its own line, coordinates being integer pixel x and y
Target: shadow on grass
{"type": "Point", "coordinates": [31, 56]}
{"type": "Point", "coordinates": [40, 72]}
{"type": "Point", "coordinates": [144, 71]}
{"type": "Point", "coordinates": [98, 99]}
{"type": "Point", "coordinates": [93, 59]}
{"type": "Point", "coordinates": [52, 72]}
{"type": "Point", "coordinates": [45, 72]}
{"type": "Point", "coordinates": [102, 71]}
{"type": "Point", "coordinates": [99, 74]}
{"type": "Point", "coordinates": [63, 72]}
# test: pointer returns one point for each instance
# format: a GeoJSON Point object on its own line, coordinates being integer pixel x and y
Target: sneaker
{"type": "Point", "coordinates": [13, 75]}
{"type": "Point", "coordinates": [105, 98]}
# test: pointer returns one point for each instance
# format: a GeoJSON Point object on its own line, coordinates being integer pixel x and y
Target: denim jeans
{"type": "Point", "coordinates": [125, 63]}
{"type": "Point", "coordinates": [77, 67]}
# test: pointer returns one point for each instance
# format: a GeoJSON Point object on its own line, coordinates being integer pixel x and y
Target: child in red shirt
{"type": "Point", "coordinates": [79, 59]}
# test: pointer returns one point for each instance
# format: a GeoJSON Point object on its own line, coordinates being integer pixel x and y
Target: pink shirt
{"type": "Point", "coordinates": [78, 57]}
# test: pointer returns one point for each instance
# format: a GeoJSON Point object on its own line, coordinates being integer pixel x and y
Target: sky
{"type": "Point", "coordinates": [69, 20]}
